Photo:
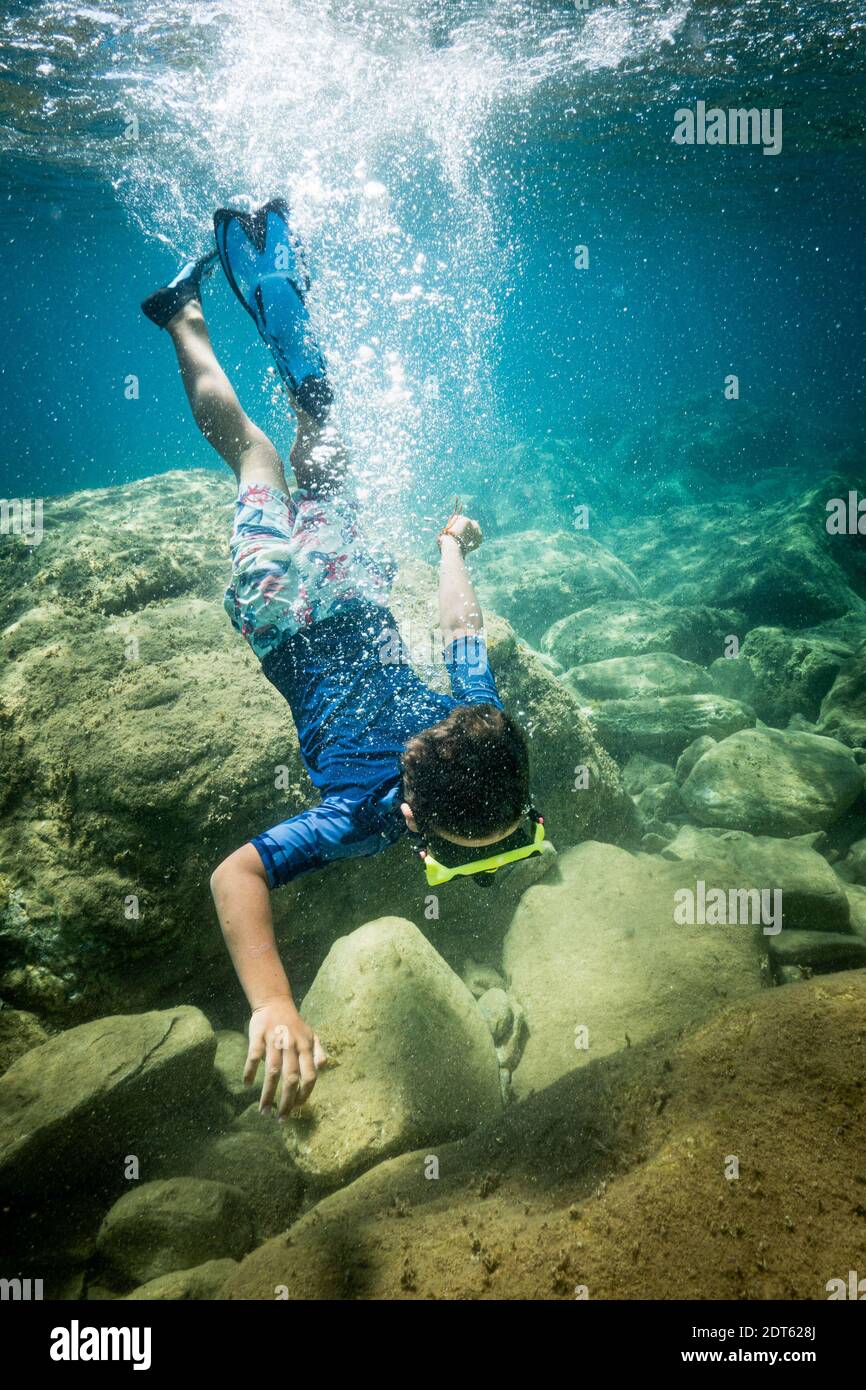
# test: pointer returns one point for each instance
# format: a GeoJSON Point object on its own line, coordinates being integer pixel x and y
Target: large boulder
{"type": "Point", "coordinates": [772, 782]}
{"type": "Point", "coordinates": [533, 578]}
{"type": "Point", "coordinates": [631, 677]}
{"type": "Point", "coordinates": [413, 1059]}
{"type": "Point", "coordinates": [127, 776]}
{"type": "Point", "coordinates": [64, 1104]}
{"type": "Point", "coordinates": [813, 898]}
{"type": "Point", "coordinates": [663, 726]}
{"type": "Point", "coordinates": [636, 628]}
{"type": "Point", "coordinates": [169, 1225]}
{"type": "Point", "coordinates": [597, 947]}
{"type": "Point", "coordinates": [613, 1180]}
{"type": "Point", "coordinates": [781, 674]}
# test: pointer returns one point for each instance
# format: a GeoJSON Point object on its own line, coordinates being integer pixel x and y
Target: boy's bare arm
{"type": "Point", "coordinates": [459, 609]}
{"type": "Point", "coordinates": [291, 1050]}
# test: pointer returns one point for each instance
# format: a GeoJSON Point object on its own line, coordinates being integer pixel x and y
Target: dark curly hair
{"type": "Point", "coordinates": [469, 774]}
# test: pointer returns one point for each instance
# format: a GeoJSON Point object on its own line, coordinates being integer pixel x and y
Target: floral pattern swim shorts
{"type": "Point", "coordinates": [295, 560]}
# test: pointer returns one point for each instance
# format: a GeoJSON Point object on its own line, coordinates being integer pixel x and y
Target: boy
{"type": "Point", "coordinates": [387, 753]}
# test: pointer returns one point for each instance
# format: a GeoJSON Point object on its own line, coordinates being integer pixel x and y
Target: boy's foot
{"type": "Point", "coordinates": [162, 306]}
{"type": "Point", "coordinates": [263, 261]}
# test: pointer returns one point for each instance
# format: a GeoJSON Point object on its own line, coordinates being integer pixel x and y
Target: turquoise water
{"type": "Point", "coordinates": [443, 161]}
{"type": "Point", "coordinates": [451, 165]}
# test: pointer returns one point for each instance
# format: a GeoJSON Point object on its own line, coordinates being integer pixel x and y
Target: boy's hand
{"type": "Point", "coordinates": [465, 531]}
{"type": "Point", "coordinates": [292, 1053]}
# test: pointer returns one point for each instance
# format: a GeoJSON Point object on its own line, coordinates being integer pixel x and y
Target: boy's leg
{"type": "Point", "coordinates": [215, 407]}
{"type": "Point", "coordinates": [318, 457]}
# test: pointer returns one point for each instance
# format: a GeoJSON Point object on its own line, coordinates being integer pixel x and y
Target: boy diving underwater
{"type": "Point", "coordinates": [388, 754]}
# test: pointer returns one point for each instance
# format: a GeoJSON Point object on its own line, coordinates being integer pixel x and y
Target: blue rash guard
{"type": "Point", "coordinates": [355, 702]}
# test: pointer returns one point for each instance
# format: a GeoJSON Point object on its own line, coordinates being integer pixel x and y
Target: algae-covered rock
{"type": "Point", "coordinates": [852, 867]}
{"type": "Point", "coordinates": [663, 726]}
{"type": "Point", "coordinates": [169, 1225]}
{"type": "Point", "coordinates": [254, 1160]}
{"type": "Point", "coordinates": [630, 677]}
{"type": "Point", "coordinates": [641, 772]}
{"type": "Point", "coordinates": [534, 578]}
{"type": "Point", "coordinates": [609, 630]}
{"type": "Point", "coordinates": [781, 674]}
{"type": "Point", "coordinates": [772, 782]}
{"type": "Point", "coordinates": [856, 895]}
{"type": "Point", "coordinates": [140, 743]}
{"type": "Point", "coordinates": [19, 1032]}
{"type": "Point", "coordinates": [775, 562]}
{"type": "Point", "coordinates": [690, 755]}
{"type": "Point", "coordinates": [812, 896]}
{"type": "Point", "coordinates": [599, 950]}
{"type": "Point", "coordinates": [843, 709]}
{"type": "Point", "coordinates": [413, 1060]}
{"type": "Point", "coordinates": [73, 1108]}
{"type": "Point", "coordinates": [204, 1282]}
{"type": "Point", "coordinates": [229, 1061]}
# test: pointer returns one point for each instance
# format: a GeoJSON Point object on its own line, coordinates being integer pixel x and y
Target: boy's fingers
{"type": "Point", "coordinates": [307, 1068]}
{"type": "Point", "coordinates": [320, 1056]}
{"type": "Point", "coordinates": [254, 1056]}
{"type": "Point", "coordinates": [291, 1080]}
{"type": "Point", "coordinates": [272, 1076]}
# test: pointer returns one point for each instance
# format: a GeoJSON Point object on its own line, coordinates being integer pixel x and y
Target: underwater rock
{"type": "Point", "coordinates": [812, 896]}
{"type": "Point", "coordinates": [641, 772]}
{"type": "Point", "coordinates": [661, 803]}
{"type": "Point", "coordinates": [497, 1013]}
{"type": "Point", "coordinates": [169, 1225]}
{"type": "Point", "coordinates": [128, 773]}
{"type": "Point", "coordinates": [253, 1158]}
{"type": "Point", "coordinates": [607, 1179]}
{"type": "Point", "coordinates": [479, 977]}
{"type": "Point", "coordinates": [533, 578]}
{"type": "Point", "coordinates": [843, 709]}
{"type": "Point", "coordinates": [818, 952]}
{"type": "Point", "coordinates": [71, 1108]}
{"type": "Point", "coordinates": [662, 727]}
{"type": "Point", "coordinates": [19, 1032]}
{"type": "Point", "coordinates": [852, 867]}
{"type": "Point", "coordinates": [610, 630]}
{"type": "Point", "coordinates": [412, 1058]}
{"type": "Point", "coordinates": [629, 677]}
{"type": "Point", "coordinates": [229, 1061]}
{"type": "Point", "coordinates": [599, 950]}
{"type": "Point", "coordinates": [773, 782]}
{"type": "Point", "coordinates": [775, 561]}
{"type": "Point", "coordinates": [201, 1283]}
{"type": "Point", "coordinates": [856, 895]}
{"type": "Point", "coordinates": [690, 755]}
{"type": "Point", "coordinates": [781, 674]}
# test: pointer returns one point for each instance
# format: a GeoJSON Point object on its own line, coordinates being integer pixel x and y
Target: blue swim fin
{"type": "Point", "coordinates": [261, 257]}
